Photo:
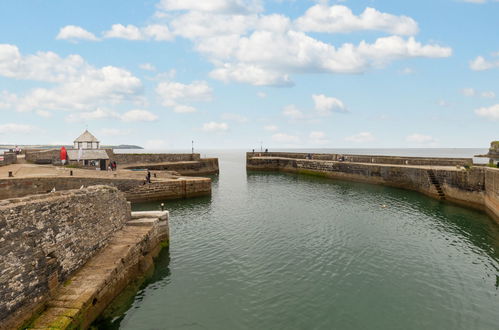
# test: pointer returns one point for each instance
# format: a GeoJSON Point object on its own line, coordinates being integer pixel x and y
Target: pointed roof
{"type": "Point", "coordinates": [86, 137]}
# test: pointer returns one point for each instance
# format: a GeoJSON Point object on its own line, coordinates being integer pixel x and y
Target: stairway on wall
{"type": "Point", "coordinates": [434, 181]}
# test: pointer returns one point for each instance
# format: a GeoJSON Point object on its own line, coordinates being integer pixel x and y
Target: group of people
{"type": "Point", "coordinates": [112, 166]}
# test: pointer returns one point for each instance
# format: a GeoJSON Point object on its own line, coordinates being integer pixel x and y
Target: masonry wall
{"type": "Point", "coordinates": [47, 156]}
{"type": "Point", "coordinates": [9, 158]}
{"type": "Point", "coordinates": [46, 238]}
{"type": "Point", "coordinates": [477, 187]}
{"type": "Point", "coordinates": [204, 166]}
{"type": "Point", "coordinates": [395, 160]}
{"type": "Point", "coordinates": [182, 188]}
{"type": "Point", "coordinates": [124, 159]}
{"type": "Point", "coordinates": [492, 189]}
{"type": "Point", "coordinates": [134, 189]}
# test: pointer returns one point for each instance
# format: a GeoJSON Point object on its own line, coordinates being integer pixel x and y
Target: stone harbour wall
{"type": "Point", "coordinates": [9, 158]}
{"type": "Point", "coordinates": [181, 188]}
{"type": "Point", "coordinates": [204, 166]}
{"type": "Point", "coordinates": [46, 156]}
{"type": "Point", "coordinates": [46, 238]}
{"type": "Point", "coordinates": [394, 160]}
{"type": "Point", "coordinates": [138, 158]}
{"type": "Point", "coordinates": [476, 187]}
{"type": "Point", "coordinates": [135, 190]}
{"type": "Point", "coordinates": [492, 189]}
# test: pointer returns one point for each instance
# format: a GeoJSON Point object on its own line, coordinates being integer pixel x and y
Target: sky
{"type": "Point", "coordinates": [245, 73]}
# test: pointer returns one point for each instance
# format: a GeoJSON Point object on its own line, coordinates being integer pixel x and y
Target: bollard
{"type": "Point", "coordinates": [162, 206]}
{"type": "Point", "coordinates": [10, 174]}
{"type": "Point", "coordinates": [71, 173]}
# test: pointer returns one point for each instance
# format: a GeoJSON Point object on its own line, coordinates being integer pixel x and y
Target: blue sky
{"type": "Point", "coordinates": [232, 73]}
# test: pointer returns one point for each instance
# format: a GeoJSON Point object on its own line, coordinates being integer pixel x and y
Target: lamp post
{"type": "Point", "coordinates": [192, 144]}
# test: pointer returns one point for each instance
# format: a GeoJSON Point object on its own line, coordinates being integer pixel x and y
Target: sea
{"type": "Point", "coordinates": [288, 251]}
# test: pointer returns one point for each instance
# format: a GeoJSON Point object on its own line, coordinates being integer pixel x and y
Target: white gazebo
{"type": "Point", "coordinates": [86, 141]}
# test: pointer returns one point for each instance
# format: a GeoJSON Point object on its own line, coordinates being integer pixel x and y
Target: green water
{"type": "Point", "coordinates": [282, 251]}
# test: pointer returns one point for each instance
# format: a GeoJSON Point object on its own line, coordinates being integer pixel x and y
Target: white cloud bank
{"type": "Point", "coordinates": [176, 95]}
{"type": "Point", "coordinates": [324, 105]}
{"type": "Point", "coordinates": [73, 32]}
{"type": "Point", "coordinates": [12, 128]}
{"type": "Point", "coordinates": [155, 32]}
{"type": "Point", "coordinates": [491, 112]}
{"type": "Point", "coordinates": [215, 127]}
{"type": "Point", "coordinates": [340, 19]}
{"type": "Point", "coordinates": [131, 116]}
{"type": "Point", "coordinates": [481, 64]}
{"type": "Point", "coordinates": [79, 86]}
{"type": "Point", "coordinates": [473, 92]}
{"type": "Point", "coordinates": [247, 46]}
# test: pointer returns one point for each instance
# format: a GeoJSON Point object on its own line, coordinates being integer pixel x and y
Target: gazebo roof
{"type": "Point", "coordinates": [86, 137]}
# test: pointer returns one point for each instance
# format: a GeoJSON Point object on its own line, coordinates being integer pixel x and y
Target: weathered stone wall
{"type": "Point", "coordinates": [477, 187]}
{"type": "Point", "coordinates": [395, 160]}
{"type": "Point", "coordinates": [204, 166]}
{"type": "Point", "coordinates": [492, 189]}
{"type": "Point", "coordinates": [134, 189]}
{"type": "Point", "coordinates": [9, 158]}
{"type": "Point", "coordinates": [18, 187]}
{"type": "Point", "coordinates": [46, 156]}
{"type": "Point", "coordinates": [181, 188]}
{"type": "Point", "coordinates": [46, 238]}
{"type": "Point", "coordinates": [124, 159]}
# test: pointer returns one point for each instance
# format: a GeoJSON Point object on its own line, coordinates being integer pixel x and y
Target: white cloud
{"type": "Point", "coordinates": [175, 94]}
{"type": "Point", "coordinates": [479, 1]}
{"type": "Point", "coordinates": [261, 95]}
{"type": "Point", "coordinates": [131, 32]}
{"type": "Point", "coordinates": [443, 103]}
{"type": "Point", "coordinates": [79, 86]}
{"type": "Point", "coordinates": [43, 113]}
{"type": "Point", "coordinates": [182, 108]}
{"type": "Point", "coordinates": [12, 128]}
{"type": "Point", "coordinates": [324, 105]}
{"type": "Point", "coordinates": [271, 128]}
{"type": "Point", "coordinates": [234, 117]}
{"type": "Point", "coordinates": [91, 115]}
{"type": "Point", "coordinates": [250, 74]}
{"type": "Point", "coordinates": [481, 64]}
{"type": "Point", "coordinates": [218, 6]}
{"type": "Point", "coordinates": [491, 112]}
{"type": "Point", "coordinates": [138, 115]}
{"type": "Point", "coordinates": [285, 138]}
{"type": "Point", "coordinates": [472, 92]}
{"type": "Point", "coordinates": [267, 57]}
{"type": "Point", "coordinates": [114, 132]}
{"type": "Point", "coordinates": [292, 112]}
{"type": "Point", "coordinates": [73, 32]}
{"type": "Point", "coordinates": [488, 94]}
{"type": "Point", "coordinates": [318, 137]}
{"type": "Point", "coordinates": [420, 138]}
{"type": "Point", "coordinates": [265, 50]}
{"type": "Point", "coordinates": [129, 116]}
{"type": "Point", "coordinates": [43, 66]}
{"type": "Point", "coordinates": [155, 144]}
{"type": "Point", "coordinates": [361, 137]}
{"type": "Point", "coordinates": [147, 67]}
{"type": "Point", "coordinates": [340, 19]}
{"type": "Point", "coordinates": [214, 127]}
{"type": "Point", "coordinates": [407, 71]}
{"type": "Point", "coordinates": [468, 91]}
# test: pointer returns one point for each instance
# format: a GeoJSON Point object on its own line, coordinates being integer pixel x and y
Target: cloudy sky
{"type": "Point", "coordinates": [232, 73]}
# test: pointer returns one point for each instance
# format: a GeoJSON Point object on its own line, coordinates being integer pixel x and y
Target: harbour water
{"type": "Point", "coordinates": [283, 251]}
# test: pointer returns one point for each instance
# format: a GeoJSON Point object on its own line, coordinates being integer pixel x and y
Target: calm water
{"type": "Point", "coordinates": [282, 251]}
